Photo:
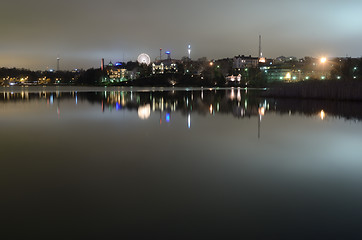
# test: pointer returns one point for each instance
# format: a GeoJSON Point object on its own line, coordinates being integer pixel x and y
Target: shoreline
{"type": "Point", "coordinates": [80, 88]}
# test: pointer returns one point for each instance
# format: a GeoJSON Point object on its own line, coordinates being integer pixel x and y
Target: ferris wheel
{"type": "Point", "coordinates": [144, 59]}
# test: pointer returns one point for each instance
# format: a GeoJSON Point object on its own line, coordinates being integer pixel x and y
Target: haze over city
{"type": "Point", "coordinates": [35, 33]}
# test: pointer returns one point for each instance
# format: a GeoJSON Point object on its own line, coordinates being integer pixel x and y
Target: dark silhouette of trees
{"type": "Point", "coordinates": [91, 77]}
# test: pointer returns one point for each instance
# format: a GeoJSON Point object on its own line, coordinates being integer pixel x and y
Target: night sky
{"type": "Point", "coordinates": [34, 33]}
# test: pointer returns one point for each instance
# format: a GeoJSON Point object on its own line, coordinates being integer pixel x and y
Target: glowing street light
{"type": "Point", "coordinates": [323, 60]}
{"type": "Point", "coordinates": [322, 115]}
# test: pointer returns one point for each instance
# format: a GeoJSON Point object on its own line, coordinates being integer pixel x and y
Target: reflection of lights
{"type": "Point", "coordinates": [211, 109]}
{"type": "Point", "coordinates": [189, 120]}
{"type": "Point", "coordinates": [239, 95]}
{"type": "Point", "coordinates": [168, 117]}
{"type": "Point", "coordinates": [262, 111]}
{"type": "Point", "coordinates": [232, 96]}
{"type": "Point", "coordinates": [144, 112]}
{"type": "Point", "coordinates": [51, 99]}
{"type": "Point", "coordinates": [322, 115]}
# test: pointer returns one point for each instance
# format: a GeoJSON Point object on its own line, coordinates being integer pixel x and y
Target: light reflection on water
{"type": "Point", "coordinates": [179, 164]}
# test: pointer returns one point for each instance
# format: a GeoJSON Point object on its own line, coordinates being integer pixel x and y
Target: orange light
{"type": "Point", "coordinates": [262, 111]}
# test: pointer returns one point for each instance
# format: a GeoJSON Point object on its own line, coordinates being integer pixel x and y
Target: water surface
{"type": "Point", "coordinates": [178, 164]}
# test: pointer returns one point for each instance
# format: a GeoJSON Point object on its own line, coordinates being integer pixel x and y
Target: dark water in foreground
{"type": "Point", "coordinates": [163, 164]}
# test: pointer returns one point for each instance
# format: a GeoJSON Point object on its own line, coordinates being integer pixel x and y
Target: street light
{"type": "Point", "coordinates": [323, 60]}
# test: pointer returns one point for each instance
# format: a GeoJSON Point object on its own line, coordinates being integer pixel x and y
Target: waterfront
{"type": "Point", "coordinates": [178, 164]}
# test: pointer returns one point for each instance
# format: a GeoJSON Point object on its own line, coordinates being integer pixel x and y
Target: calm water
{"type": "Point", "coordinates": [177, 164]}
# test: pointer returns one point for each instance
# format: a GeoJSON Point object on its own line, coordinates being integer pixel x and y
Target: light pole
{"type": "Point", "coordinates": [323, 61]}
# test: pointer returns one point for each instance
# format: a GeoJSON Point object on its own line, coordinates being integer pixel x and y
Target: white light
{"type": "Point", "coordinates": [322, 115]}
{"type": "Point", "coordinates": [144, 112]}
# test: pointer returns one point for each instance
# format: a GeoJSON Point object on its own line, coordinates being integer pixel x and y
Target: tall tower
{"type": "Point", "coordinates": [260, 52]}
{"type": "Point", "coordinates": [189, 51]}
{"type": "Point", "coordinates": [168, 55]}
{"type": "Point", "coordinates": [261, 58]}
{"type": "Point", "coordinates": [58, 64]}
{"type": "Point", "coordinates": [102, 64]}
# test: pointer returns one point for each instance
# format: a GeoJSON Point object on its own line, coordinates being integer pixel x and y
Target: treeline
{"type": "Point", "coordinates": [345, 83]}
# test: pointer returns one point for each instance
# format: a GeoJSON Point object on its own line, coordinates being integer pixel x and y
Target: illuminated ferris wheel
{"type": "Point", "coordinates": [144, 59]}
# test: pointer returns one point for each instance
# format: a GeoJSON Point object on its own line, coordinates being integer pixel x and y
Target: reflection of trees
{"type": "Point", "coordinates": [235, 102]}
{"type": "Point", "coordinates": [344, 109]}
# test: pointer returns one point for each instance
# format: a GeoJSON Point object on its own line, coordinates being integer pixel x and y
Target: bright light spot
{"type": "Point", "coordinates": [322, 115]}
{"type": "Point", "coordinates": [211, 63]}
{"type": "Point", "coordinates": [211, 109]}
{"type": "Point", "coordinates": [262, 60]}
{"type": "Point", "coordinates": [189, 121]}
{"type": "Point", "coordinates": [144, 112]}
{"type": "Point", "coordinates": [323, 60]}
{"type": "Point", "coordinates": [288, 76]}
{"type": "Point", "coordinates": [262, 111]}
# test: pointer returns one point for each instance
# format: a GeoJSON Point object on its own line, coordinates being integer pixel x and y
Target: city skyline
{"type": "Point", "coordinates": [82, 33]}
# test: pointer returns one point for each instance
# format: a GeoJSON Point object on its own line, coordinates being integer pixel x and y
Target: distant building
{"type": "Point", "coordinates": [116, 72]}
{"type": "Point", "coordinates": [164, 66]}
{"type": "Point", "coordinates": [245, 62]}
{"type": "Point", "coordinates": [233, 78]}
